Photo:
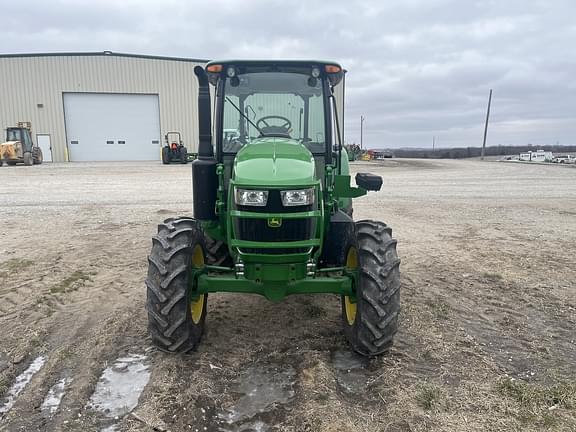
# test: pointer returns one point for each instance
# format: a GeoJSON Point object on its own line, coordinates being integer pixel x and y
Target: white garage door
{"type": "Point", "coordinates": [112, 127]}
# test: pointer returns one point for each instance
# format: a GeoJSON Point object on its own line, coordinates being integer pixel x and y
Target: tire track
{"type": "Point", "coordinates": [79, 350]}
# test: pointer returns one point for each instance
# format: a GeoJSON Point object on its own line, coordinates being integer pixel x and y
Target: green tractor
{"type": "Point", "coordinates": [273, 209]}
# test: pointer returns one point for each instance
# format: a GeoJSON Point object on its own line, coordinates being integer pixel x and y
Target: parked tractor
{"type": "Point", "coordinates": [19, 147]}
{"type": "Point", "coordinates": [354, 152]}
{"type": "Point", "coordinates": [174, 150]}
{"type": "Point", "coordinates": [273, 209]}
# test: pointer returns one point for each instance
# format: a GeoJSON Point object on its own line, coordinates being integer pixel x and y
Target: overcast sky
{"type": "Point", "coordinates": [417, 68]}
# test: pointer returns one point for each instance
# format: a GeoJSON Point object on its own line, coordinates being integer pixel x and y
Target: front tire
{"type": "Point", "coordinates": [28, 159]}
{"type": "Point", "coordinates": [372, 321]}
{"type": "Point", "coordinates": [37, 157]}
{"type": "Point", "coordinates": [176, 314]}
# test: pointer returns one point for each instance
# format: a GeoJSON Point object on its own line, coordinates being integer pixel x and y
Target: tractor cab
{"type": "Point", "coordinates": [287, 102]}
{"type": "Point", "coordinates": [20, 134]}
{"type": "Point", "coordinates": [260, 105]}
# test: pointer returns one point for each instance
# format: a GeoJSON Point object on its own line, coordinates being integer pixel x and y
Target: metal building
{"type": "Point", "coordinates": [100, 106]}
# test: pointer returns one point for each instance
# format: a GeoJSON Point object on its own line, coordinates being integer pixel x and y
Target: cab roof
{"type": "Point", "coordinates": [216, 69]}
{"type": "Point", "coordinates": [262, 62]}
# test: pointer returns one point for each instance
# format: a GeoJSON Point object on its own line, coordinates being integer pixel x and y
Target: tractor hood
{"type": "Point", "coordinates": [274, 162]}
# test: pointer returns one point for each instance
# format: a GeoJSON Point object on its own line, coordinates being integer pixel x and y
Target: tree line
{"type": "Point", "coordinates": [467, 152]}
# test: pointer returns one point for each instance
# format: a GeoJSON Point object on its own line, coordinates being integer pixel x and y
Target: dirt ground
{"type": "Point", "coordinates": [487, 339]}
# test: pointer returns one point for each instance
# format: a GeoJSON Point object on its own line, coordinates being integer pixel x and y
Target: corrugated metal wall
{"type": "Point", "coordinates": [27, 81]}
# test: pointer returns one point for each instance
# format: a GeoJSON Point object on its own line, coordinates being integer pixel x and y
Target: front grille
{"type": "Point", "coordinates": [290, 230]}
{"type": "Point", "coordinates": [249, 229]}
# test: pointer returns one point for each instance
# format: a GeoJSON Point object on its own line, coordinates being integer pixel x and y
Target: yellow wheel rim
{"type": "Point", "coordinates": [197, 257]}
{"type": "Point", "coordinates": [351, 264]}
{"type": "Point", "coordinates": [197, 305]}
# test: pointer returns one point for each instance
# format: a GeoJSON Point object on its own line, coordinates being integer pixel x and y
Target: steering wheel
{"type": "Point", "coordinates": [284, 128]}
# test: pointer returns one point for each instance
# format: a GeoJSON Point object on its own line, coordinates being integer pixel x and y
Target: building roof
{"type": "Point", "coordinates": [103, 53]}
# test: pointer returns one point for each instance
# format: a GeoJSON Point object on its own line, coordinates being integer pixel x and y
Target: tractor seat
{"type": "Point", "coordinates": [276, 131]}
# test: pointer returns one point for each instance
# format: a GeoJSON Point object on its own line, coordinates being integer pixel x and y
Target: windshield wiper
{"type": "Point", "coordinates": [243, 115]}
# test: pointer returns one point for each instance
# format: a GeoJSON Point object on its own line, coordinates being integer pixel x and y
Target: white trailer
{"type": "Point", "coordinates": [537, 156]}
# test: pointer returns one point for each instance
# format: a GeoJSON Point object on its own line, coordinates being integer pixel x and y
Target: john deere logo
{"type": "Point", "coordinates": [274, 222]}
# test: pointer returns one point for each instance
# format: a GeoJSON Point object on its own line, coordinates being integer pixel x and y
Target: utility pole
{"type": "Point", "coordinates": [433, 142]}
{"type": "Point", "coordinates": [486, 125]}
{"type": "Point", "coordinates": [361, 130]}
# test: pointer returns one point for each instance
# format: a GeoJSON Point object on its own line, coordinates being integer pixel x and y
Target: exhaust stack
{"type": "Point", "coordinates": [205, 149]}
{"type": "Point", "coordinates": [204, 178]}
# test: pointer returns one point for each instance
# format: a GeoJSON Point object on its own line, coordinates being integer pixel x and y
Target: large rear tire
{"type": "Point", "coordinates": [183, 155]}
{"type": "Point", "coordinates": [176, 314]}
{"type": "Point", "coordinates": [166, 155]}
{"type": "Point", "coordinates": [372, 321]}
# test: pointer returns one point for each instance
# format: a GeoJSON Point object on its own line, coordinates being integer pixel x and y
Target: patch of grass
{"type": "Point", "coordinates": [492, 277]}
{"type": "Point", "coordinates": [549, 419]}
{"type": "Point", "coordinates": [14, 265]}
{"type": "Point", "coordinates": [428, 355]}
{"type": "Point", "coordinates": [72, 282]}
{"type": "Point", "coordinates": [429, 397]}
{"type": "Point", "coordinates": [35, 341]}
{"type": "Point", "coordinates": [314, 311]}
{"type": "Point", "coordinates": [536, 397]}
{"type": "Point", "coordinates": [440, 309]}
{"type": "Point", "coordinates": [66, 353]}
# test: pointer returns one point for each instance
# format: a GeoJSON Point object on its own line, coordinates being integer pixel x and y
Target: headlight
{"type": "Point", "coordinates": [249, 197]}
{"type": "Point", "coordinates": [298, 197]}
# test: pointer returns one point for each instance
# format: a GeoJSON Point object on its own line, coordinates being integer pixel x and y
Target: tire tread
{"type": "Point", "coordinates": [378, 295]}
{"type": "Point", "coordinates": [169, 318]}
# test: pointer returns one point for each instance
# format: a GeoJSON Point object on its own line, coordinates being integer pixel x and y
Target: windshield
{"type": "Point", "coordinates": [273, 104]}
{"type": "Point", "coordinates": [13, 135]}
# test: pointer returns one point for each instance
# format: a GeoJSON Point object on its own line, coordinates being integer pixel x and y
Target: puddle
{"type": "Point", "coordinates": [21, 382]}
{"type": "Point", "coordinates": [262, 389]}
{"type": "Point", "coordinates": [54, 397]}
{"type": "Point", "coordinates": [257, 426]}
{"type": "Point", "coordinates": [348, 360]}
{"type": "Point", "coordinates": [350, 372]}
{"type": "Point", "coordinates": [120, 386]}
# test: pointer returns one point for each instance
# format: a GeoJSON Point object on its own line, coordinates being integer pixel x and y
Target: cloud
{"type": "Point", "coordinates": [416, 68]}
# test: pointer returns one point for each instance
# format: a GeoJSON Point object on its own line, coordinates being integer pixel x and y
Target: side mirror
{"type": "Point", "coordinates": [370, 182]}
